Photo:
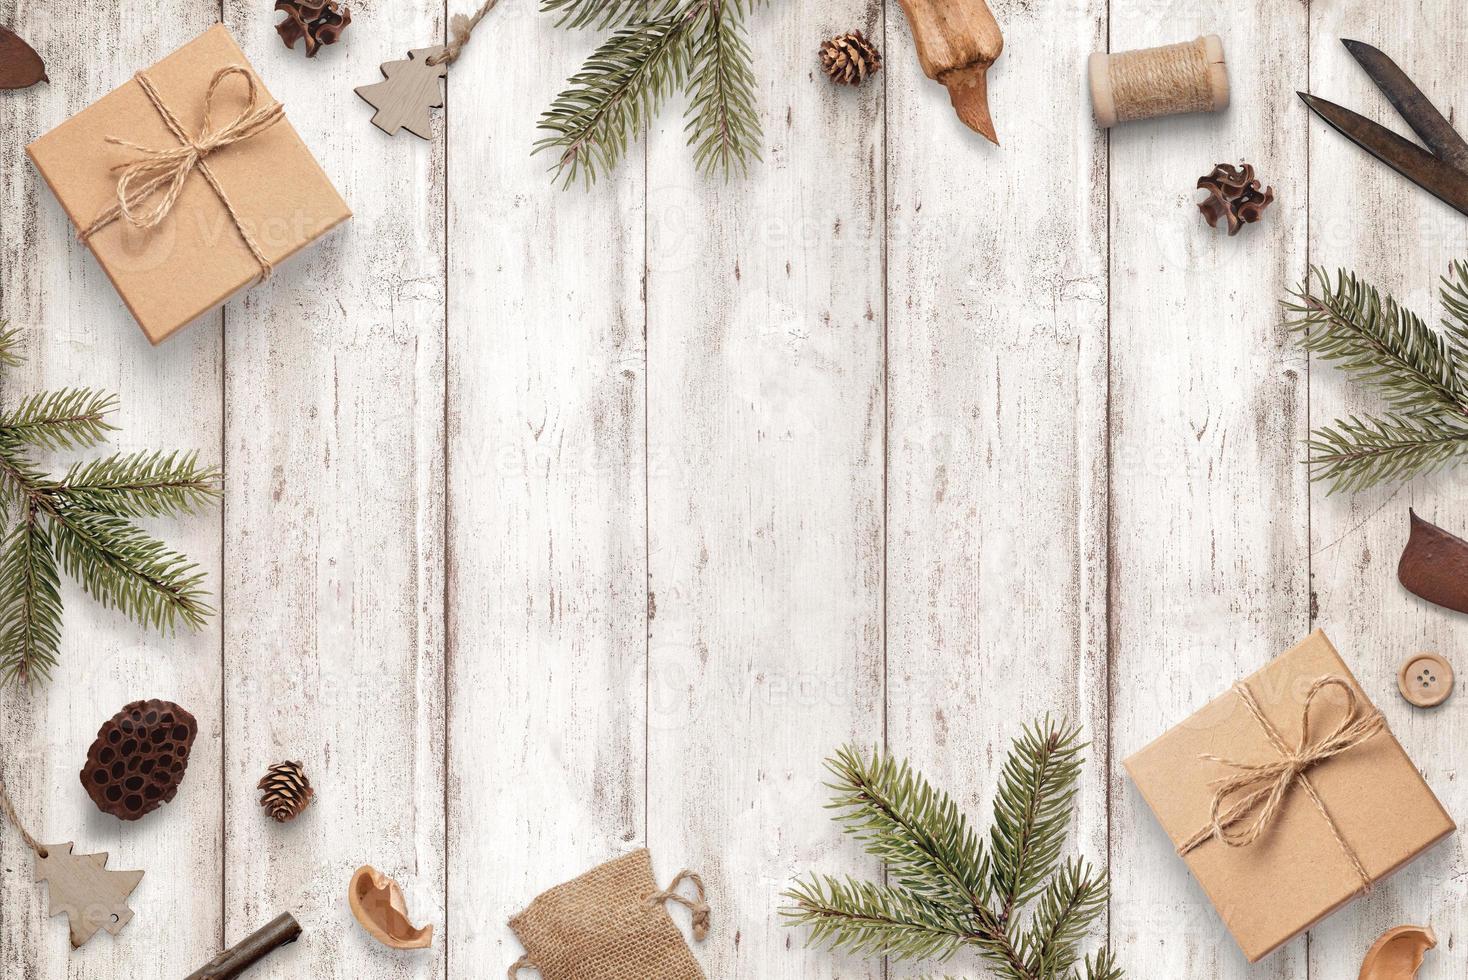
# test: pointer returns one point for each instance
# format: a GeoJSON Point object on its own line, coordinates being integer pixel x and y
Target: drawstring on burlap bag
{"type": "Point", "coordinates": [612, 924]}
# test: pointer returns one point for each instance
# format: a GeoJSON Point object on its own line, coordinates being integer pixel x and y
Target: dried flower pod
{"type": "Point", "coordinates": [317, 22]}
{"type": "Point", "coordinates": [1233, 196]}
{"type": "Point", "coordinates": [139, 758]}
{"type": "Point", "coordinates": [20, 65]}
{"type": "Point", "coordinates": [1398, 953]}
{"type": "Point", "coordinates": [287, 791]}
{"type": "Point", "coordinates": [850, 59]}
{"type": "Point", "coordinates": [1434, 565]}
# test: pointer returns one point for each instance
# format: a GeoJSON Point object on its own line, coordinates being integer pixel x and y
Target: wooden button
{"type": "Point", "coordinates": [1425, 680]}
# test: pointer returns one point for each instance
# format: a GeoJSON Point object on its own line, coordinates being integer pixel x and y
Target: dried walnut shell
{"type": "Point", "coordinates": [139, 758]}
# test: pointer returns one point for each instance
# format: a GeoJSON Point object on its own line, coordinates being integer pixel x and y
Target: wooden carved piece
{"type": "Point", "coordinates": [81, 886]}
{"type": "Point", "coordinates": [377, 902]}
{"type": "Point", "coordinates": [139, 758]}
{"type": "Point", "coordinates": [280, 931]}
{"type": "Point", "coordinates": [411, 89]}
{"type": "Point", "coordinates": [20, 66]}
{"type": "Point", "coordinates": [1398, 953]}
{"type": "Point", "coordinates": [957, 41]}
{"type": "Point", "coordinates": [1434, 565]}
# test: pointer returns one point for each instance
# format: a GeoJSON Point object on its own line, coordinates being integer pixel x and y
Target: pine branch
{"type": "Point", "coordinates": [9, 345]}
{"type": "Point", "coordinates": [874, 920]}
{"type": "Point", "coordinates": [125, 568]}
{"type": "Point", "coordinates": [1354, 453]}
{"type": "Point", "coordinates": [621, 84]}
{"type": "Point", "coordinates": [943, 882]}
{"type": "Point", "coordinates": [1032, 811]}
{"type": "Point", "coordinates": [601, 14]}
{"type": "Point", "coordinates": [917, 831]}
{"type": "Point", "coordinates": [30, 604]}
{"type": "Point", "coordinates": [1070, 904]}
{"type": "Point", "coordinates": [1379, 344]}
{"type": "Point", "coordinates": [72, 418]}
{"type": "Point", "coordinates": [138, 485]}
{"type": "Point", "coordinates": [723, 124]}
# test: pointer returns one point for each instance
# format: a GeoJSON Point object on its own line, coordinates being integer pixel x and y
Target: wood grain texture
{"type": "Point", "coordinates": [1356, 540]}
{"type": "Point", "coordinates": [997, 369]}
{"type": "Point", "coordinates": [546, 553]}
{"type": "Point", "coordinates": [1209, 502]}
{"type": "Point", "coordinates": [79, 333]}
{"type": "Point", "coordinates": [334, 524]}
{"type": "Point", "coordinates": [765, 429]}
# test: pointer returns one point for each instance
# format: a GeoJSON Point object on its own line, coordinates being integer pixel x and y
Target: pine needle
{"type": "Point", "coordinates": [1420, 374]}
{"type": "Point", "coordinates": [946, 890]}
{"type": "Point", "coordinates": [83, 523]}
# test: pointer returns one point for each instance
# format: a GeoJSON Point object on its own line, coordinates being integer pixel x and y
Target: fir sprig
{"type": "Point", "coordinates": [948, 888]}
{"type": "Point", "coordinates": [1420, 374]}
{"type": "Point", "coordinates": [84, 524]}
{"type": "Point", "coordinates": [657, 47]}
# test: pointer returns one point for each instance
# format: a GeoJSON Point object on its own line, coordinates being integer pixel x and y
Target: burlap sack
{"type": "Point", "coordinates": [610, 924]}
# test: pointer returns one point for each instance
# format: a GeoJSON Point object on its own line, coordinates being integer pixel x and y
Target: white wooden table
{"type": "Point", "coordinates": [560, 523]}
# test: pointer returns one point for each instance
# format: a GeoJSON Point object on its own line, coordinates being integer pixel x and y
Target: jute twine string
{"type": "Point", "coordinates": [14, 818]}
{"type": "Point", "coordinates": [1259, 789]}
{"type": "Point", "coordinates": [699, 906]}
{"type": "Point", "coordinates": [461, 28]}
{"type": "Point", "coordinates": [168, 169]}
{"type": "Point", "coordinates": [520, 964]}
{"type": "Point", "coordinates": [1161, 81]}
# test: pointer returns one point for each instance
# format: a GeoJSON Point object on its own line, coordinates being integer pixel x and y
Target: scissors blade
{"type": "Point", "coordinates": [1438, 178]}
{"type": "Point", "coordinates": [1419, 112]}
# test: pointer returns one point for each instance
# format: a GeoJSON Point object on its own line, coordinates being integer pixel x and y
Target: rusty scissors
{"type": "Point", "coordinates": [1442, 172]}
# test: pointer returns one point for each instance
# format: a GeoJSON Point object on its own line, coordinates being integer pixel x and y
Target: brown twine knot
{"type": "Point", "coordinates": [1260, 788]}
{"type": "Point", "coordinates": [462, 28]}
{"type": "Point", "coordinates": [168, 169]}
{"type": "Point", "coordinates": [699, 906]}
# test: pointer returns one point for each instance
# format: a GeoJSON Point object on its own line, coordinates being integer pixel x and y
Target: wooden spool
{"type": "Point", "coordinates": [1165, 81]}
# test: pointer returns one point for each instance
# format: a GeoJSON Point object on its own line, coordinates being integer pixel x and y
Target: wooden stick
{"type": "Point", "coordinates": [282, 931]}
{"type": "Point", "coordinates": [957, 41]}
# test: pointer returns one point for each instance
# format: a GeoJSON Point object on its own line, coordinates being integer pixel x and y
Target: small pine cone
{"type": "Point", "coordinates": [287, 791]}
{"type": "Point", "coordinates": [849, 59]}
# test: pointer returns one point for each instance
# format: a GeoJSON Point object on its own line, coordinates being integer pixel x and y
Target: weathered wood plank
{"type": "Point", "coordinates": [1209, 505]}
{"type": "Point", "coordinates": [765, 421]}
{"type": "Point", "coordinates": [1404, 243]}
{"type": "Point", "coordinates": [79, 333]}
{"type": "Point", "coordinates": [997, 439]}
{"type": "Point", "coordinates": [334, 374]}
{"type": "Point", "coordinates": [547, 559]}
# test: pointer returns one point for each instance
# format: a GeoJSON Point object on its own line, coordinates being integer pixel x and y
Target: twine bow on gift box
{"type": "Point", "coordinates": [1255, 792]}
{"type": "Point", "coordinates": [167, 169]}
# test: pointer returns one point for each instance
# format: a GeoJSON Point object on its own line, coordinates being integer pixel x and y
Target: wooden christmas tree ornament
{"type": "Point", "coordinates": [412, 86]}
{"type": "Point", "coordinates": [957, 41]}
{"type": "Point", "coordinates": [378, 904]}
{"type": "Point", "coordinates": [139, 758]}
{"type": "Point", "coordinates": [20, 66]}
{"type": "Point", "coordinates": [1166, 81]}
{"type": "Point", "coordinates": [80, 885]}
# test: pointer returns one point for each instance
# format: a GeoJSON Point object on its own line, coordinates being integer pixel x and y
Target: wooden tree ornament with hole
{"type": "Point", "coordinates": [957, 41]}
{"type": "Point", "coordinates": [412, 87]}
{"type": "Point", "coordinates": [80, 885]}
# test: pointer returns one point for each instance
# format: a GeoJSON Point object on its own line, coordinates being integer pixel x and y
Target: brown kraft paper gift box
{"type": "Point", "coordinates": [1296, 871]}
{"type": "Point", "coordinates": [197, 257]}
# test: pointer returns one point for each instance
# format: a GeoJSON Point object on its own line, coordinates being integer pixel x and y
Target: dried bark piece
{"type": "Point", "coordinates": [139, 758]}
{"type": "Point", "coordinates": [377, 902]}
{"type": "Point", "coordinates": [81, 886]}
{"type": "Point", "coordinates": [1233, 197]}
{"type": "Point", "coordinates": [317, 22]}
{"type": "Point", "coordinates": [20, 65]}
{"type": "Point", "coordinates": [1434, 565]}
{"type": "Point", "coordinates": [1398, 953]}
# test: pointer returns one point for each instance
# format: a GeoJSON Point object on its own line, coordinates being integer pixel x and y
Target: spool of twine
{"type": "Point", "coordinates": [1166, 81]}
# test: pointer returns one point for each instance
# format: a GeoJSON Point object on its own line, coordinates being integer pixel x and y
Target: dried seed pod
{"type": "Point", "coordinates": [20, 66]}
{"type": "Point", "coordinates": [1233, 196]}
{"type": "Point", "coordinates": [377, 902]}
{"type": "Point", "coordinates": [1434, 565]}
{"type": "Point", "coordinates": [850, 59]}
{"type": "Point", "coordinates": [1398, 953]}
{"type": "Point", "coordinates": [139, 758]}
{"type": "Point", "coordinates": [317, 22]}
{"type": "Point", "coordinates": [287, 791]}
